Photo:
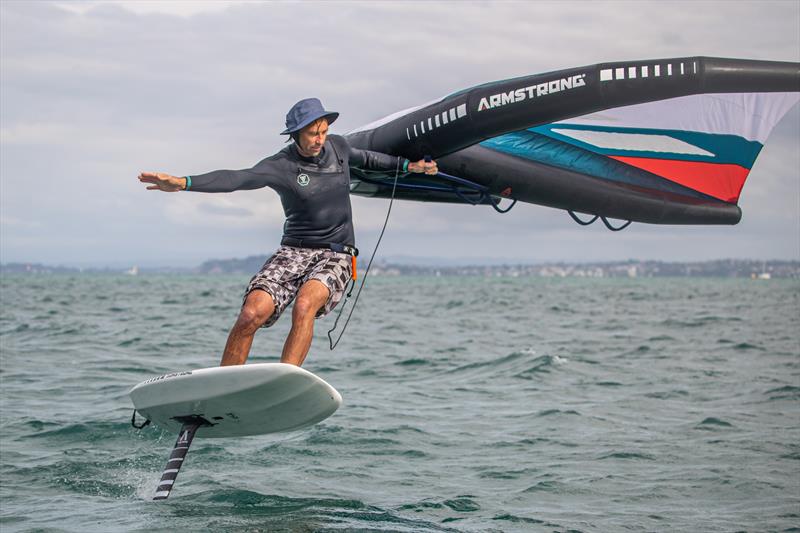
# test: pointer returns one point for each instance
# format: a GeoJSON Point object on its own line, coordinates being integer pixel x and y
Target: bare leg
{"type": "Point", "coordinates": [256, 310]}
{"type": "Point", "coordinates": [311, 297]}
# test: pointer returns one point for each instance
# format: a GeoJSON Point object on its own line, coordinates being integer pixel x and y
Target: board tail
{"type": "Point", "coordinates": [177, 458]}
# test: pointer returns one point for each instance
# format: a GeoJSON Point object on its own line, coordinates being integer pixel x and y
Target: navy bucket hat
{"type": "Point", "coordinates": [304, 113]}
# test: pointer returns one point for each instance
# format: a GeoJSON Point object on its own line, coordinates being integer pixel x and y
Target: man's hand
{"type": "Point", "coordinates": [422, 166]}
{"type": "Point", "coordinates": [163, 182]}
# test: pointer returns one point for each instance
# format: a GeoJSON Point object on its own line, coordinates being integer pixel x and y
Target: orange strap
{"type": "Point", "coordinates": [353, 264]}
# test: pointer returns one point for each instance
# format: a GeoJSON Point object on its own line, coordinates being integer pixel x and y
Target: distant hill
{"type": "Point", "coordinates": [728, 268]}
{"type": "Point", "coordinates": [733, 268]}
{"type": "Point", "coordinates": [36, 268]}
{"type": "Point", "coordinates": [248, 265]}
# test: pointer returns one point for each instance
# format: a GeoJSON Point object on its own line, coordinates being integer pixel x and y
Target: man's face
{"type": "Point", "coordinates": [312, 137]}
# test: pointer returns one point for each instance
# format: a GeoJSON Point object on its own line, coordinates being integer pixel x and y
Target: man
{"type": "Point", "coordinates": [314, 263]}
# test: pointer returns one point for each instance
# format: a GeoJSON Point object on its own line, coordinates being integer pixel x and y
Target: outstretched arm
{"type": "Point", "coordinates": [264, 174]}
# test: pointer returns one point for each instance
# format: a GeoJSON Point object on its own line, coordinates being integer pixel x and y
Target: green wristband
{"type": "Point", "coordinates": [405, 166]}
{"type": "Point", "coordinates": [188, 183]}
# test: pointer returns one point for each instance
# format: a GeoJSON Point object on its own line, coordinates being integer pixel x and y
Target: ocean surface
{"type": "Point", "coordinates": [470, 404]}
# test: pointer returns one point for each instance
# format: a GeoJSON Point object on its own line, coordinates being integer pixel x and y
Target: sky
{"type": "Point", "coordinates": [92, 93]}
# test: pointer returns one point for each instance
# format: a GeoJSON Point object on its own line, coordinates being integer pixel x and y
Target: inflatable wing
{"type": "Point", "coordinates": [667, 141]}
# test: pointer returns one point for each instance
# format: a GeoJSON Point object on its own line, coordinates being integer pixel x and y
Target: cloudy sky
{"type": "Point", "coordinates": [92, 93]}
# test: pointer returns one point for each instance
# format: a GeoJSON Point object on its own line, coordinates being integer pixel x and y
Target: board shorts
{"type": "Point", "coordinates": [289, 268]}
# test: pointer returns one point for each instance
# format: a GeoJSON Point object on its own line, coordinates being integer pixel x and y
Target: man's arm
{"type": "Point", "coordinates": [370, 160]}
{"type": "Point", "coordinates": [257, 177]}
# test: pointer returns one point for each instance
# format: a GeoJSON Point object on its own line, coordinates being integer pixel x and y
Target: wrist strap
{"type": "Point", "coordinates": [405, 165]}
{"type": "Point", "coordinates": [188, 183]}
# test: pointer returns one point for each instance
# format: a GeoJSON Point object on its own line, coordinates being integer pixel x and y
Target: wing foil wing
{"type": "Point", "coordinates": [661, 141]}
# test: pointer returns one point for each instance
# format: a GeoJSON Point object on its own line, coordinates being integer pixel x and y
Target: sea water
{"type": "Point", "coordinates": [470, 404]}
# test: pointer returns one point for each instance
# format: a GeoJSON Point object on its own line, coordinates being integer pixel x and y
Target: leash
{"type": "Point", "coordinates": [366, 272]}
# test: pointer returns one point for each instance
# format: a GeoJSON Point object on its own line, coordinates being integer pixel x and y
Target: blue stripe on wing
{"type": "Point", "coordinates": [721, 149]}
{"type": "Point", "coordinates": [528, 144]}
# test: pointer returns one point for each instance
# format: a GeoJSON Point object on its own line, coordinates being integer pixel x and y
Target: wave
{"type": "Point", "coordinates": [496, 364]}
{"type": "Point", "coordinates": [667, 395]}
{"type": "Point", "coordinates": [542, 364]}
{"type": "Point", "coordinates": [79, 432]}
{"type": "Point", "coordinates": [285, 513]}
{"type": "Point", "coordinates": [87, 472]}
{"type": "Point", "coordinates": [787, 392]}
{"type": "Point", "coordinates": [551, 412]}
{"type": "Point", "coordinates": [521, 364]}
{"type": "Point", "coordinates": [552, 487]}
{"type": "Point", "coordinates": [515, 519]}
{"type": "Point", "coordinates": [748, 346]}
{"type": "Point", "coordinates": [462, 504]}
{"type": "Point", "coordinates": [414, 362]}
{"type": "Point", "coordinates": [712, 422]}
{"type": "Point", "coordinates": [699, 322]}
{"type": "Point", "coordinates": [627, 455]}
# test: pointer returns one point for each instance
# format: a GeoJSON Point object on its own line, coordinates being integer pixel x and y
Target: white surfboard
{"type": "Point", "coordinates": [234, 401]}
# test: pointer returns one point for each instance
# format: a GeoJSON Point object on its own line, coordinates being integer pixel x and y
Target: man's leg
{"type": "Point", "coordinates": [312, 296]}
{"type": "Point", "coordinates": [257, 308]}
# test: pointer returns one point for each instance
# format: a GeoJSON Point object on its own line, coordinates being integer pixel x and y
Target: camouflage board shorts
{"type": "Point", "coordinates": [289, 268]}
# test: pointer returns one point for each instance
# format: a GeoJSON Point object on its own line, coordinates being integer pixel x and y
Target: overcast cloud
{"type": "Point", "coordinates": [92, 93]}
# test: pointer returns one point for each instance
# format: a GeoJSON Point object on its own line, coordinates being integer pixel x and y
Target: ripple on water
{"type": "Point", "coordinates": [54, 433]}
{"type": "Point", "coordinates": [555, 412]}
{"type": "Point", "coordinates": [552, 487]}
{"type": "Point", "coordinates": [608, 384]}
{"type": "Point", "coordinates": [543, 364]}
{"type": "Point", "coordinates": [331, 512]}
{"type": "Point", "coordinates": [667, 395]}
{"type": "Point", "coordinates": [516, 519]}
{"type": "Point", "coordinates": [495, 365]}
{"type": "Point", "coordinates": [713, 423]}
{"type": "Point", "coordinates": [627, 456]}
{"type": "Point", "coordinates": [787, 392]}
{"type": "Point", "coordinates": [414, 362]}
{"type": "Point", "coordinates": [747, 346]}
{"type": "Point", "coordinates": [129, 342]}
{"type": "Point", "coordinates": [461, 504]}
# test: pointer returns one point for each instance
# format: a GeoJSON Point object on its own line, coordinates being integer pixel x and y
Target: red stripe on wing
{"type": "Point", "coordinates": [722, 181]}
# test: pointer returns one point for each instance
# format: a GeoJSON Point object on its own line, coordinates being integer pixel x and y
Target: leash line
{"type": "Point", "coordinates": [366, 272]}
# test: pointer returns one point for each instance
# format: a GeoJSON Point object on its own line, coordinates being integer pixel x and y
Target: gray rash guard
{"type": "Point", "coordinates": [315, 192]}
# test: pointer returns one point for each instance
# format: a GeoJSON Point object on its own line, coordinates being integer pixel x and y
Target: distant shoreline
{"type": "Point", "coordinates": [726, 268]}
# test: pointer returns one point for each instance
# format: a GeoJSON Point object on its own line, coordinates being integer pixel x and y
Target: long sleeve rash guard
{"type": "Point", "coordinates": [315, 192]}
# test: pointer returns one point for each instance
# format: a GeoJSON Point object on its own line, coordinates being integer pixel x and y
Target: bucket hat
{"type": "Point", "coordinates": [304, 113]}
